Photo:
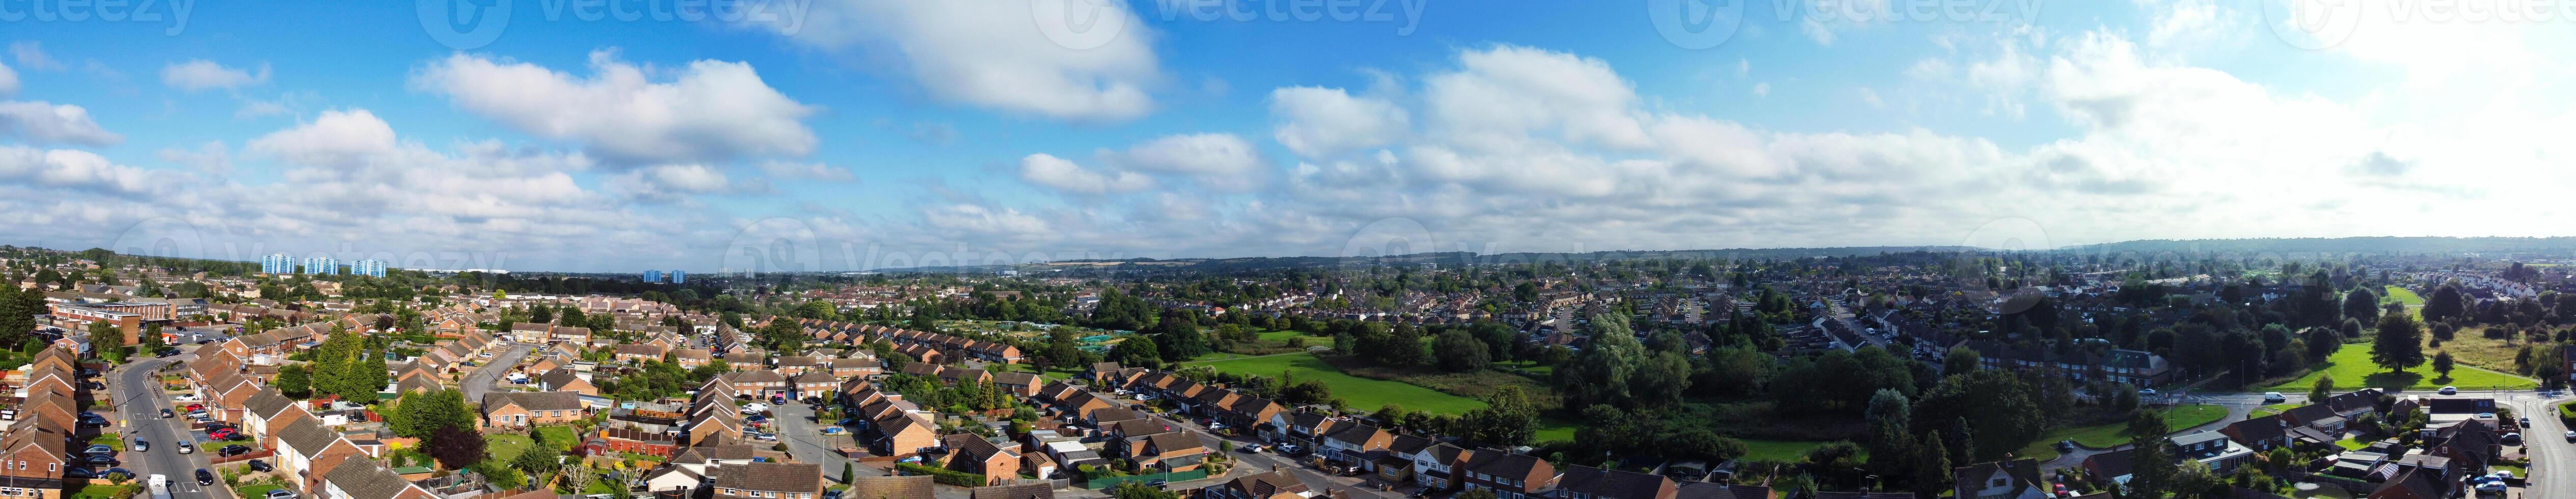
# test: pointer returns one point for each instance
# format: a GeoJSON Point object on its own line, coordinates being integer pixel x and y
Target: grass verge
{"type": "Point", "coordinates": [2351, 369]}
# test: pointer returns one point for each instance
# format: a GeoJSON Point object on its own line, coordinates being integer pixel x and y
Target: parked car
{"type": "Point", "coordinates": [100, 449]}
{"type": "Point", "coordinates": [99, 460]}
{"type": "Point", "coordinates": [196, 407]}
{"type": "Point", "coordinates": [220, 434]}
{"type": "Point", "coordinates": [79, 472]}
{"type": "Point", "coordinates": [1250, 448]}
{"type": "Point", "coordinates": [233, 450]}
{"type": "Point", "coordinates": [185, 397]}
{"type": "Point", "coordinates": [115, 472]}
{"type": "Point", "coordinates": [2450, 390]}
{"type": "Point", "coordinates": [258, 465]}
{"type": "Point", "coordinates": [280, 494]}
{"type": "Point", "coordinates": [2512, 439]}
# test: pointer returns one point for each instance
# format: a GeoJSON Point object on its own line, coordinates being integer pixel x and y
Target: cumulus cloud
{"type": "Point", "coordinates": [71, 169]}
{"type": "Point", "coordinates": [200, 74]}
{"type": "Point", "coordinates": [1063, 175]}
{"type": "Point", "coordinates": [213, 157]}
{"type": "Point", "coordinates": [988, 53]}
{"type": "Point", "coordinates": [1318, 122]}
{"type": "Point", "coordinates": [707, 111]}
{"type": "Point", "coordinates": [337, 138]}
{"type": "Point", "coordinates": [47, 123]}
{"type": "Point", "coordinates": [8, 81]}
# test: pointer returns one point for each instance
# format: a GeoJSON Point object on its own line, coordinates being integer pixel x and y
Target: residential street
{"type": "Point", "coordinates": [480, 381]}
{"type": "Point", "coordinates": [138, 403]}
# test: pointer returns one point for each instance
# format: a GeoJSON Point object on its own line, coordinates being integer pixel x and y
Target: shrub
{"type": "Point", "coordinates": [944, 476]}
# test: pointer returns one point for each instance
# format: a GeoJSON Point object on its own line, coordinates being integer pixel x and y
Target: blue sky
{"type": "Point", "coordinates": [854, 134]}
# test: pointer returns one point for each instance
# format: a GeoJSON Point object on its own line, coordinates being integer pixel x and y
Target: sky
{"type": "Point", "coordinates": [803, 135]}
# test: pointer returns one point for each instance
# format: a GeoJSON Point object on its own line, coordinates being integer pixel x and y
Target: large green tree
{"type": "Point", "coordinates": [2002, 410]}
{"type": "Point", "coordinates": [2399, 343]}
{"type": "Point", "coordinates": [1458, 351]}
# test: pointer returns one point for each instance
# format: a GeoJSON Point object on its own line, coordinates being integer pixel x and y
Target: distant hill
{"type": "Point", "coordinates": [2541, 245]}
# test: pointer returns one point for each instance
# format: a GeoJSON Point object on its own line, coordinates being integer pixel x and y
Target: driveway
{"type": "Point", "coordinates": [138, 403]}
{"type": "Point", "coordinates": [480, 381]}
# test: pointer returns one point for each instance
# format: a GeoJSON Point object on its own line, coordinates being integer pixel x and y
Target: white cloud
{"type": "Point", "coordinates": [1194, 154]}
{"type": "Point", "coordinates": [1762, 89]}
{"type": "Point", "coordinates": [709, 110]}
{"type": "Point", "coordinates": [47, 123]}
{"type": "Point", "coordinates": [32, 55]}
{"type": "Point", "coordinates": [201, 74]}
{"type": "Point", "coordinates": [70, 169]}
{"type": "Point", "coordinates": [989, 53]}
{"type": "Point", "coordinates": [1504, 94]}
{"type": "Point", "coordinates": [1063, 175]}
{"type": "Point", "coordinates": [1317, 122]}
{"type": "Point", "coordinates": [807, 171]}
{"type": "Point", "coordinates": [260, 109]}
{"type": "Point", "coordinates": [8, 81]}
{"type": "Point", "coordinates": [337, 138]}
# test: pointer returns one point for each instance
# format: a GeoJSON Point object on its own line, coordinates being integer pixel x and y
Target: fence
{"type": "Point", "coordinates": [1103, 483]}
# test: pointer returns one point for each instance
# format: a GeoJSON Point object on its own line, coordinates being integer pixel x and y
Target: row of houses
{"type": "Point", "coordinates": [847, 333]}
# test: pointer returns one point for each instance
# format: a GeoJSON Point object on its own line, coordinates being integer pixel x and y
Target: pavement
{"type": "Point", "coordinates": [480, 381]}
{"type": "Point", "coordinates": [137, 408]}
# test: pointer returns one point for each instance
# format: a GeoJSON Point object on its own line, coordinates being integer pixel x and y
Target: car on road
{"type": "Point", "coordinates": [166, 352]}
{"type": "Point", "coordinates": [2274, 397]}
{"type": "Point", "coordinates": [1250, 448]}
{"type": "Point", "coordinates": [258, 465]}
{"type": "Point", "coordinates": [2150, 392]}
{"type": "Point", "coordinates": [2526, 421]}
{"type": "Point", "coordinates": [233, 450]}
{"type": "Point", "coordinates": [2065, 446]}
{"type": "Point", "coordinates": [187, 449]}
{"type": "Point", "coordinates": [141, 445]}
{"type": "Point", "coordinates": [166, 414]}
{"type": "Point", "coordinates": [205, 477]}
{"type": "Point", "coordinates": [2450, 390]}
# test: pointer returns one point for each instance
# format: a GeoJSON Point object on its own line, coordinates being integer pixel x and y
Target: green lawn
{"type": "Point", "coordinates": [504, 447]}
{"type": "Point", "coordinates": [109, 438]}
{"type": "Point", "coordinates": [260, 490]}
{"type": "Point", "coordinates": [104, 491]}
{"type": "Point", "coordinates": [2352, 369]}
{"type": "Point", "coordinates": [2273, 409]}
{"type": "Point", "coordinates": [2349, 443]}
{"type": "Point", "coordinates": [559, 437]}
{"type": "Point", "coordinates": [2414, 304]}
{"type": "Point", "coordinates": [2105, 436]}
{"type": "Point", "coordinates": [1366, 394]}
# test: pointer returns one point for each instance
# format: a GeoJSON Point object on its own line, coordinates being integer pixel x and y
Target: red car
{"type": "Point", "coordinates": [221, 434]}
{"type": "Point", "coordinates": [194, 407]}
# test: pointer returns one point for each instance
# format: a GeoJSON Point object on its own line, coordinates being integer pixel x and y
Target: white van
{"type": "Point", "coordinates": [2274, 397]}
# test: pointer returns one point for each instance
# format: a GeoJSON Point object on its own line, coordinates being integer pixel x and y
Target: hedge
{"type": "Point", "coordinates": [943, 475]}
{"type": "Point", "coordinates": [2567, 412]}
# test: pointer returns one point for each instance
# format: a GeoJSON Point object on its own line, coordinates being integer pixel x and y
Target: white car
{"type": "Point", "coordinates": [2450, 390]}
{"type": "Point", "coordinates": [2274, 397]}
{"type": "Point", "coordinates": [185, 397]}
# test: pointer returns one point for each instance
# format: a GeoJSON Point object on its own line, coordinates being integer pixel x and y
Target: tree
{"type": "Point", "coordinates": [455, 447]}
{"type": "Point", "coordinates": [1932, 473]}
{"type": "Point", "coordinates": [1139, 490]}
{"type": "Point", "coordinates": [2147, 424]}
{"type": "Point", "coordinates": [502, 475]}
{"type": "Point", "coordinates": [1601, 373]}
{"type": "Point", "coordinates": [295, 381]}
{"type": "Point", "coordinates": [1137, 351]}
{"type": "Point", "coordinates": [537, 459]}
{"type": "Point", "coordinates": [108, 340]}
{"type": "Point", "coordinates": [2399, 343]}
{"type": "Point", "coordinates": [1458, 351]}
{"type": "Point", "coordinates": [2442, 363]}
{"type": "Point", "coordinates": [1508, 419]}
{"type": "Point", "coordinates": [2361, 304]}
{"type": "Point", "coordinates": [1960, 360]}
{"type": "Point", "coordinates": [1996, 403]}
{"type": "Point", "coordinates": [2324, 389]}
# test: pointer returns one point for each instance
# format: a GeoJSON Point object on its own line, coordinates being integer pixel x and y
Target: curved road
{"type": "Point", "coordinates": [480, 381]}
{"type": "Point", "coordinates": [137, 406]}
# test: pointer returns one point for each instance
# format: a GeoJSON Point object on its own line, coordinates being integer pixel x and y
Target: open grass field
{"type": "Point", "coordinates": [2352, 369]}
{"type": "Point", "coordinates": [1781, 450]}
{"type": "Point", "coordinates": [2414, 303]}
{"type": "Point", "coordinates": [2471, 347]}
{"type": "Point", "coordinates": [2107, 435]}
{"type": "Point", "coordinates": [1362, 393]}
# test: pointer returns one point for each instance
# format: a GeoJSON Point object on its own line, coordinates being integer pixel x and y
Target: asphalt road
{"type": "Point", "coordinates": [138, 402]}
{"type": "Point", "coordinates": [796, 427]}
{"type": "Point", "coordinates": [480, 381]}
